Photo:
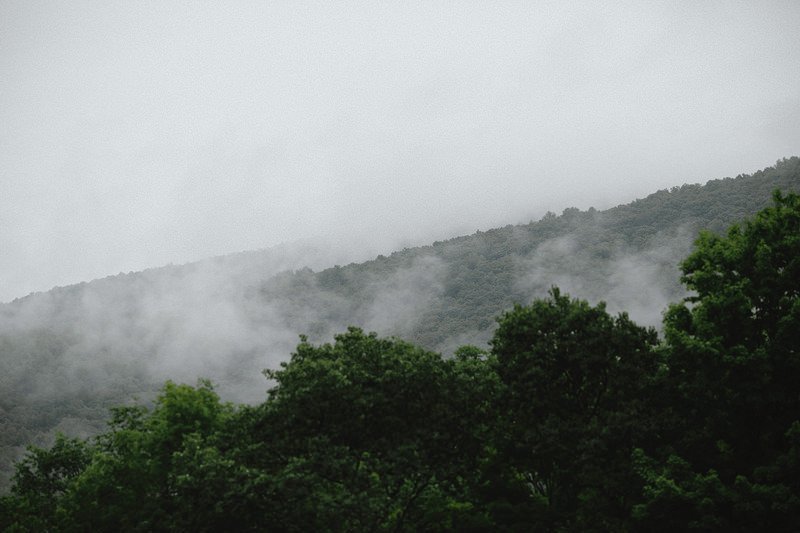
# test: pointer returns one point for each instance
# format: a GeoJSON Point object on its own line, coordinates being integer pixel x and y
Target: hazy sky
{"type": "Point", "coordinates": [133, 134]}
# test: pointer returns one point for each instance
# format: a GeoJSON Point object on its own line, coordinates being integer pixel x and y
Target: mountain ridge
{"type": "Point", "coordinates": [66, 355]}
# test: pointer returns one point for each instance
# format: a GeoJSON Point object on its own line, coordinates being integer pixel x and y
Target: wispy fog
{"type": "Point", "coordinates": [641, 283]}
{"type": "Point", "coordinates": [136, 134]}
{"type": "Point", "coordinates": [68, 354]}
{"type": "Point", "coordinates": [205, 319]}
{"type": "Point", "coordinates": [229, 318]}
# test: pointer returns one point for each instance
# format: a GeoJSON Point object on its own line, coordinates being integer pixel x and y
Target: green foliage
{"type": "Point", "coordinates": [574, 420]}
{"type": "Point", "coordinates": [362, 434]}
{"type": "Point", "coordinates": [477, 276]}
{"type": "Point", "coordinates": [575, 382]}
{"type": "Point", "coordinates": [381, 428]}
{"type": "Point", "coordinates": [734, 368]}
{"type": "Point", "coordinates": [40, 480]}
{"type": "Point", "coordinates": [135, 477]}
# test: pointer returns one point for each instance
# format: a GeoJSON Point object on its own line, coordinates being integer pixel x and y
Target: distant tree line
{"type": "Point", "coordinates": [112, 344]}
{"type": "Point", "coordinates": [574, 420]}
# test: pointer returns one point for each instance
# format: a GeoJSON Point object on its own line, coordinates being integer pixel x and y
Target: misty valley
{"type": "Point", "coordinates": [630, 369]}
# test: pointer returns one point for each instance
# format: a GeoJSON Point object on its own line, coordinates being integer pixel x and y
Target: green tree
{"type": "Point", "coordinates": [734, 367]}
{"type": "Point", "coordinates": [575, 381]}
{"type": "Point", "coordinates": [377, 433]}
{"type": "Point", "coordinates": [40, 481]}
{"type": "Point", "coordinates": [137, 479]}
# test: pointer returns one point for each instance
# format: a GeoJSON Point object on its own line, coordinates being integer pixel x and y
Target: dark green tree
{"type": "Point", "coordinates": [40, 481]}
{"type": "Point", "coordinates": [575, 379]}
{"type": "Point", "coordinates": [576, 420]}
{"type": "Point", "coordinates": [374, 433]}
{"type": "Point", "coordinates": [139, 478]}
{"type": "Point", "coordinates": [733, 377]}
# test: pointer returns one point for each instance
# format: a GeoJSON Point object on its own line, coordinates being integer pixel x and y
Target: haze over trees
{"type": "Point", "coordinates": [68, 355]}
{"type": "Point", "coordinates": [574, 419]}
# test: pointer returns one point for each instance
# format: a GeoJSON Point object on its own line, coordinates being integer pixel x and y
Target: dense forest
{"type": "Point", "coordinates": [69, 355]}
{"type": "Point", "coordinates": [574, 418]}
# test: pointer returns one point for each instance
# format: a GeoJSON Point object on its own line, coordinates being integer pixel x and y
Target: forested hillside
{"type": "Point", "coordinates": [573, 419]}
{"type": "Point", "coordinates": [450, 292]}
{"type": "Point", "coordinates": [69, 354]}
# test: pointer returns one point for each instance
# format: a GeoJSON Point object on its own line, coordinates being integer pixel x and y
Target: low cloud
{"type": "Point", "coordinates": [642, 283]}
{"type": "Point", "coordinates": [399, 302]}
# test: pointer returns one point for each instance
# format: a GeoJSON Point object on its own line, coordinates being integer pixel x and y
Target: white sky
{"type": "Point", "coordinates": [133, 134]}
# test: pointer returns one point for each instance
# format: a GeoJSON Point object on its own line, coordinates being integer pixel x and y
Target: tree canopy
{"type": "Point", "coordinates": [69, 354]}
{"type": "Point", "coordinates": [575, 419]}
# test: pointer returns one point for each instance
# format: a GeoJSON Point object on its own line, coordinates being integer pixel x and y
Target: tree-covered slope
{"type": "Point", "coordinates": [442, 294]}
{"type": "Point", "coordinates": [574, 419]}
{"type": "Point", "coordinates": [67, 354]}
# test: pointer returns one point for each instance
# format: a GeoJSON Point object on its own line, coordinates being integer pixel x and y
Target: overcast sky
{"type": "Point", "coordinates": [134, 134]}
